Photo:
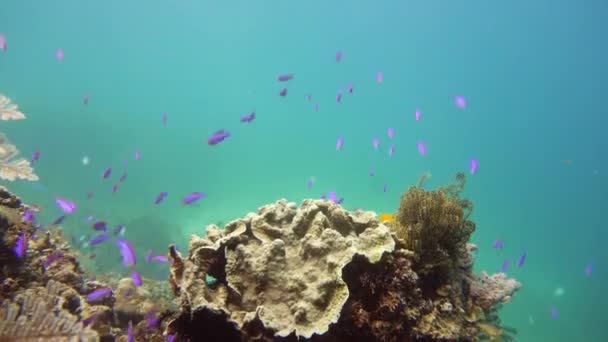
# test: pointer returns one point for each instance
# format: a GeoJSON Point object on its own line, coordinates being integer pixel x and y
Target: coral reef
{"type": "Point", "coordinates": [281, 266]}
{"type": "Point", "coordinates": [12, 169]}
{"type": "Point", "coordinates": [322, 273]}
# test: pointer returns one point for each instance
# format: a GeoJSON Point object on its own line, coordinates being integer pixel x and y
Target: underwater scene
{"type": "Point", "coordinates": [303, 171]}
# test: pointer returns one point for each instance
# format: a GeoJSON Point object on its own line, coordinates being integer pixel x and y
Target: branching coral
{"type": "Point", "coordinates": [12, 169]}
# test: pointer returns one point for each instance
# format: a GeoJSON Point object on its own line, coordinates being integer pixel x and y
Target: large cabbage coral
{"type": "Point", "coordinates": [434, 224]}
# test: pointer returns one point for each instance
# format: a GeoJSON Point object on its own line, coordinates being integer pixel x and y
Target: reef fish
{"type": "Point", "coordinates": [316, 107]}
{"type": "Point", "coordinates": [99, 239]}
{"type": "Point", "coordinates": [160, 197]}
{"type": "Point", "coordinates": [193, 197]}
{"type": "Point", "coordinates": [149, 255]}
{"type": "Point", "coordinates": [249, 117]}
{"type": "Point", "coordinates": [218, 137]}
{"type": "Point", "coordinates": [28, 216]}
{"type": "Point", "coordinates": [107, 173]}
{"type": "Point", "coordinates": [160, 258]}
{"type": "Point", "coordinates": [418, 114]}
{"type": "Point", "coordinates": [20, 248]}
{"type": "Point", "coordinates": [137, 155]}
{"type": "Point", "coordinates": [130, 335]}
{"type": "Point", "coordinates": [120, 229]}
{"type": "Point", "coordinates": [460, 101]}
{"type": "Point", "coordinates": [114, 187]}
{"type": "Point", "coordinates": [35, 156]}
{"type": "Point", "coordinates": [349, 88]}
{"type": "Point", "coordinates": [285, 77]}
{"type": "Point", "coordinates": [589, 269]}
{"type": "Point", "coordinates": [60, 55]}
{"type": "Point", "coordinates": [338, 56]}
{"type": "Point", "coordinates": [504, 266]}
{"type": "Point", "coordinates": [390, 132]}
{"type": "Point", "coordinates": [164, 118]}
{"type": "Point", "coordinates": [339, 96]}
{"type": "Point", "coordinates": [375, 143]}
{"type": "Point", "coordinates": [99, 294]}
{"type": "Point", "coordinates": [380, 77]}
{"type": "Point", "coordinates": [386, 217]}
{"type": "Point", "coordinates": [391, 150]}
{"type": "Point", "coordinates": [137, 281]}
{"type": "Point", "coordinates": [498, 244]}
{"type": "Point", "coordinates": [522, 259]}
{"type": "Point", "coordinates": [100, 225]}
{"type": "Point", "coordinates": [85, 100]}
{"type": "Point", "coordinates": [123, 177]}
{"type": "Point", "coordinates": [51, 258]}
{"type": "Point", "coordinates": [283, 92]}
{"type": "Point", "coordinates": [59, 220]}
{"type": "Point", "coordinates": [339, 144]}
{"type": "Point", "coordinates": [422, 148]}
{"type": "Point", "coordinates": [68, 207]}
{"type": "Point", "coordinates": [2, 43]}
{"type": "Point", "coordinates": [384, 189]}
{"type": "Point", "coordinates": [127, 251]}
{"type": "Point", "coordinates": [474, 166]}
{"type": "Point", "coordinates": [554, 313]}
{"type": "Point", "coordinates": [310, 182]}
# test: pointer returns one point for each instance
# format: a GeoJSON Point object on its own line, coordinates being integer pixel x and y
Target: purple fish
{"type": "Point", "coordinates": [128, 252]}
{"type": "Point", "coordinates": [35, 156]}
{"type": "Point", "coordinates": [58, 221]}
{"type": "Point", "coordinates": [99, 294]}
{"type": "Point", "coordinates": [137, 155]}
{"type": "Point", "coordinates": [316, 107]}
{"type": "Point", "coordinates": [160, 258]}
{"type": "Point", "coordinates": [391, 132]}
{"type": "Point", "coordinates": [418, 114]}
{"type": "Point", "coordinates": [85, 100]}
{"type": "Point", "coordinates": [160, 197]}
{"type": "Point", "coordinates": [554, 313]}
{"type": "Point", "coordinates": [28, 216]}
{"type": "Point", "coordinates": [100, 225]}
{"type": "Point", "coordinates": [350, 88]}
{"type": "Point", "coordinates": [460, 101]}
{"type": "Point", "coordinates": [120, 229]}
{"type": "Point", "coordinates": [283, 92]}
{"type": "Point", "coordinates": [474, 165]}
{"type": "Point", "coordinates": [384, 189]}
{"type": "Point", "coordinates": [422, 148]}
{"type": "Point", "coordinates": [522, 259]}
{"type": "Point", "coordinates": [99, 239]}
{"type": "Point", "coordinates": [170, 338]}
{"type": "Point", "coordinates": [193, 197]}
{"type": "Point", "coordinates": [504, 266]}
{"type": "Point", "coordinates": [107, 173]}
{"type": "Point", "coordinates": [339, 143]}
{"type": "Point", "coordinates": [51, 258]}
{"type": "Point", "coordinates": [285, 77]}
{"type": "Point", "coordinates": [2, 43]}
{"type": "Point", "coordinates": [249, 117]}
{"type": "Point", "coordinates": [149, 255]}
{"type": "Point", "coordinates": [130, 336]}
{"type": "Point", "coordinates": [338, 56]}
{"type": "Point", "coordinates": [308, 97]}
{"type": "Point", "coordinates": [164, 119]}
{"type": "Point", "coordinates": [310, 182]}
{"type": "Point", "coordinates": [87, 321]}
{"type": "Point", "coordinates": [114, 187]}
{"type": "Point", "coordinates": [68, 207]}
{"type": "Point", "coordinates": [123, 177]}
{"type": "Point", "coordinates": [218, 137]}
{"type": "Point", "coordinates": [60, 55]}
{"type": "Point", "coordinates": [371, 171]}
{"type": "Point", "coordinates": [339, 96]}
{"type": "Point", "coordinates": [375, 143]}
{"type": "Point", "coordinates": [589, 269]}
{"type": "Point", "coordinates": [498, 244]}
{"type": "Point", "coordinates": [323, 196]}
{"type": "Point", "coordinates": [380, 77]}
{"type": "Point", "coordinates": [391, 150]}
{"type": "Point", "coordinates": [137, 281]}
{"type": "Point", "coordinates": [20, 248]}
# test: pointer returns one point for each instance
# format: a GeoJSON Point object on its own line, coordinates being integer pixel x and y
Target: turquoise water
{"type": "Point", "coordinates": [534, 74]}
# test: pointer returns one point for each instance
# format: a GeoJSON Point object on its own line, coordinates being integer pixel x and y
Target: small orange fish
{"type": "Point", "coordinates": [386, 217]}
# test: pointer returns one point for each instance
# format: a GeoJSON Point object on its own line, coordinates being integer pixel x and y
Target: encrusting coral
{"type": "Point", "coordinates": [12, 169]}
{"type": "Point", "coordinates": [281, 266]}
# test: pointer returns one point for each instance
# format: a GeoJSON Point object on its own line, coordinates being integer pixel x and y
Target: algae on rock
{"type": "Point", "coordinates": [282, 265]}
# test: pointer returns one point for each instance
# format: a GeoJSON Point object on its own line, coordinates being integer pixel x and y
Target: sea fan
{"type": "Point", "coordinates": [9, 111]}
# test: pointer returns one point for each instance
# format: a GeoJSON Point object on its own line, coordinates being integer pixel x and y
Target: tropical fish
{"type": "Point", "coordinates": [68, 207]}
{"type": "Point", "coordinates": [59, 220]}
{"type": "Point", "coordinates": [391, 150]}
{"type": "Point", "coordinates": [498, 244]}
{"type": "Point", "coordinates": [35, 156]}
{"type": "Point", "coordinates": [379, 77]}
{"type": "Point", "coordinates": [160, 258]}
{"type": "Point", "coordinates": [130, 335]}
{"type": "Point", "coordinates": [338, 56]}
{"type": "Point", "coordinates": [127, 251]}
{"type": "Point", "coordinates": [51, 258]}
{"type": "Point", "coordinates": [114, 187]}
{"type": "Point", "coordinates": [100, 225]}
{"type": "Point", "coordinates": [522, 259]}
{"type": "Point", "coordinates": [384, 189]}
{"type": "Point", "coordinates": [285, 77]}
{"type": "Point", "coordinates": [120, 229]}
{"type": "Point", "coordinates": [375, 143]}
{"type": "Point", "coordinates": [390, 132]}
{"type": "Point", "coordinates": [249, 117]}
{"type": "Point", "coordinates": [350, 88]}
{"type": "Point", "coordinates": [164, 118]}
{"type": "Point", "coordinates": [310, 182]}
{"type": "Point", "coordinates": [554, 313]}
{"type": "Point", "coordinates": [504, 266]}
{"type": "Point", "coordinates": [160, 197]}
{"type": "Point", "coordinates": [21, 244]}
{"type": "Point", "coordinates": [386, 217]}
{"type": "Point", "coordinates": [316, 107]}
{"type": "Point", "coordinates": [85, 100]}
{"type": "Point", "coordinates": [193, 197]}
{"type": "Point", "coordinates": [339, 144]}
{"type": "Point", "coordinates": [2, 43]}
{"type": "Point", "coordinates": [149, 255]}
{"type": "Point", "coordinates": [589, 269]}
{"type": "Point", "coordinates": [371, 171]}
{"type": "Point", "coordinates": [90, 194]}
{"type": "Point", "coordinates": [418, 114]}
{"type": "Point", "coordinates": [60, 55]}
{"type": "Point", "coordinates": [28, 216]}
{"type": "Point", "coordinates": [137, 155]}
{"type": "Point", "coordinates": [107, 173]}
{"type": "Point", "coordinates": [283, 92]}
{"type": "Point", "coordinates": [308, 97]}
{"type": "Point", "coordinates": [99, 294]}
{"type": "Point", "coordinates": [474, 165]}
{"type": "Point", "coordinates": [460, 101]}
{"type": "Point", "coordinates": [218, 137]}
{"type": "Point", "coordinates": [137, 281]}
{"type": "Point", "coordinates": [99, 239]}
{"type": "Point", "coordinates": [422, 148]}
{"type": "Point", "coordinates": [123, 177]}
{"type": "Point", "coordinates": [339, 96]}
